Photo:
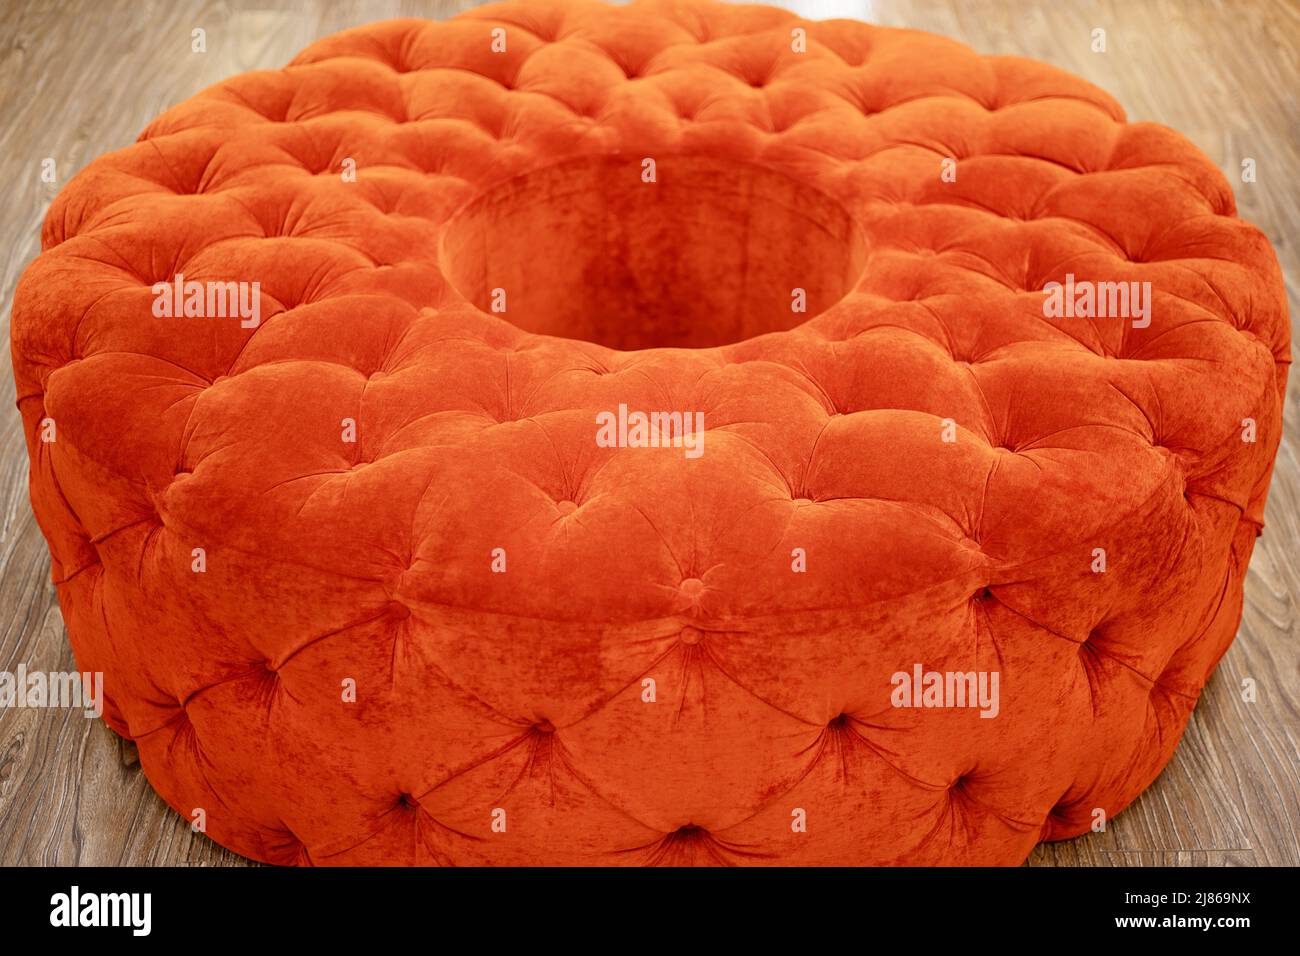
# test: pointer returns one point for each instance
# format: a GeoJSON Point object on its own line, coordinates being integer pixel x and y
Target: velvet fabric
{"type": "Point", "coordinates": [562, 652]}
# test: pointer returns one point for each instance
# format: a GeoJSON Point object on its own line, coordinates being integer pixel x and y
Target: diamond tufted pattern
{"type": "Point", "coordinates": [501, 713]}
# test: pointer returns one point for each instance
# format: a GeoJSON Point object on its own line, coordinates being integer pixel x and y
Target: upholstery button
{"type": "Point", "coordinates": [692, 589]}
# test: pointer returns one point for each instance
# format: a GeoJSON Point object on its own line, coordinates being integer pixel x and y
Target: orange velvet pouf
{"type": "Point", "coordinates": [678, 433]}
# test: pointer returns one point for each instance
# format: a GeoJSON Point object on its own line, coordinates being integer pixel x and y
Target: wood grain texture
{"type": "Point", "coordinates": [81, 77]}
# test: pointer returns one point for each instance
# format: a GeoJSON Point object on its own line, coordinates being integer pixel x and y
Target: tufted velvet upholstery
{"type": "Point", "coordinates": [373, 561]}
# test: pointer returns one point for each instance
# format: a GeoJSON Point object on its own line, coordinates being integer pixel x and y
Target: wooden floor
{"type": "Point", "coordinates": [78, 79]}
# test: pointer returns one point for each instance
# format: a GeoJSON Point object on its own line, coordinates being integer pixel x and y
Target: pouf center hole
{"type": "Point", "coordinates": [709, 253]}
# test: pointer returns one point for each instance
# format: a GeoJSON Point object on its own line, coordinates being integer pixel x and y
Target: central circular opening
{"type": "Point", "coordinates": [691, 253]}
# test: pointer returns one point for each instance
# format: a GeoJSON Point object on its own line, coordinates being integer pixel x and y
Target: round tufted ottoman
{"type": "Point", "coordinates": [672, 434]}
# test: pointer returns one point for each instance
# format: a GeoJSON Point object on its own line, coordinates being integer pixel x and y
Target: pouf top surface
{"type": "Point", "coordinates": [941, 452]}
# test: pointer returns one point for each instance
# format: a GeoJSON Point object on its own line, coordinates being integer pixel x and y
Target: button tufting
{"type": "Point", "coordinates": [803, 183]}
